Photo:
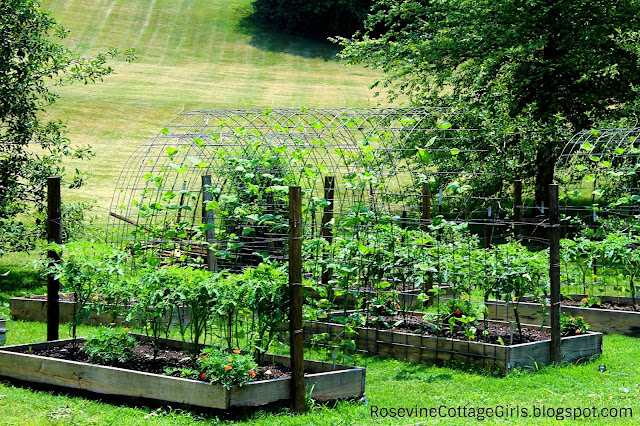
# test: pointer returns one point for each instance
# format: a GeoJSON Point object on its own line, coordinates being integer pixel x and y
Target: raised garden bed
{"type": "Point", "coordinates": [419, 348]}
{"type": "Point", "coordinates": [326, 381]}
{"type": "Point", "coordinates": [35, 309]}
{"type": "Point", "coordinates": [605, 320]}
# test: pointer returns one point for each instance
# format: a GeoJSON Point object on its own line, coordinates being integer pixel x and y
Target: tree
{"type": "Point", "coordinates": [529, 73]}
{"type": "Point", "coordinates": [314, 17]}
{"type": "Point", "coordinates": [31, 65]}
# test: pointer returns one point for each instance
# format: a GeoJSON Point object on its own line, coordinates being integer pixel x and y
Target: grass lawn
{"type": "Point", "coordinates": [198, 54]}
{"type": "Point", "coordinates": [192, 55]}
{"type": "Point", "coordinates": [390, 384]}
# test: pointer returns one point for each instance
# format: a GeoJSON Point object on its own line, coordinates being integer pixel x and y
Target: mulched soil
{"type": "Point", "coordinates": [605, 305]}
{"type": "Point", "coordinates": [143, 360]}
{"type": "Point", "coordinates": [496, 331]}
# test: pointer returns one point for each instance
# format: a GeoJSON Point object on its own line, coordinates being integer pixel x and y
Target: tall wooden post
{"type": "Point", "coordinates": [295, 295]}
{"type": "Point", "coordinates": [517, 208]}
{"type": "Point", "coordinates": [208, 218]}
{"type": "Point", "coordinates": [554, 273]}
{"type": "Point", "coordinates": [54, 235]}
{"type": "Point", "coordinates": [488, 229]}
{"type": "Point", "coordinates": [326, 231]}
{"type": "Point", "coordinates": [426, 206]}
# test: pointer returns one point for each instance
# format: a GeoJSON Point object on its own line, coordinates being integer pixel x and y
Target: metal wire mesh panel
{"type": "Point", "coordinates": [600, 196]}
{"type": "Point", "coordinates": [251, 156]}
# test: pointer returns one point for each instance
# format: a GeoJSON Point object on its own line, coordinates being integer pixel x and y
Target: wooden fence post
{"type": "Point", "coordinates": [296, 331]}
{"type": "Point", "coordinates": [554, 273]}
{"type": "Point", "coordinates": [54, 235]}
{"type": "Point", "coordinates": [208, 218]}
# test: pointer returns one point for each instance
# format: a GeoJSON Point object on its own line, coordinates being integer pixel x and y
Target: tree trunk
{"type": "Point", "coordinates": [545, 162]}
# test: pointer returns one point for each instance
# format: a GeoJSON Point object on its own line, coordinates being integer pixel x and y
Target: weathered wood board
{"type": "Point", "coordinates": [602, 320]}
{"type": "Point", "coordinates": [26, 309]}
{"type": "Point", "coordinates": [418, 348]}
{"type": "Point", "coordinates": [327, 383]}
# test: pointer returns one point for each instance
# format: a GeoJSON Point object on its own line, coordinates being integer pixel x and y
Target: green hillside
{"type": "Point", "coordinates": [192, 54]}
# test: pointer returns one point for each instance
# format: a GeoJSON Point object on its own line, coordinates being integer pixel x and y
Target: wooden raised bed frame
{"type": "Point", "coordinates": [417, 348]}
{"type": "Point", "coordinates": [603, 320]}
{"type": "Point", "coordinates": [327, 383]}
{"type": "Point", "coordinates": [27, 309]}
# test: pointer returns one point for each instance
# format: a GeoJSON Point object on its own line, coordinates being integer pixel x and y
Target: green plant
{"type": "Point", "coordinates": [570, 326]}
{"type": "Point", "coordinates": [590, 301]}
{"type": "Point", "coordinates": [109, 346]}
{"type": "Point", "coordinates": [385, 303]}
{"type": "Point", "coordinates": [519, 272]}
{"type": "Point", "coordinates": [186, 294]}
{"type": "Point", "coordinates": [86, 268]}
{"type": "Point", "coordinates": [624, 250]}
{"type": "Point", "coordinates": [266, 292]}
{"type": "Point", "coordinates": [227, 368]}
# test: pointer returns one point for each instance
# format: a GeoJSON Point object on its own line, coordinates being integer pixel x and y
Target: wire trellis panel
{"type": "Point", "coordinates": [252, 155]}
{"type": "Point", "coordinates": [598, 175]}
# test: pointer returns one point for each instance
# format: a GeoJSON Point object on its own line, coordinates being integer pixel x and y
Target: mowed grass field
{"type": "Point", "coordinates": [191, 55]}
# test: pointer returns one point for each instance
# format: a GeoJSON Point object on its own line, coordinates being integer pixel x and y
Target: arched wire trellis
{"type": "Point", "coordinates": [211, 190]}
{"type": "Point", "coordinates": [252, 155]}
{"type": "Point", "coordinates": [598, 174]}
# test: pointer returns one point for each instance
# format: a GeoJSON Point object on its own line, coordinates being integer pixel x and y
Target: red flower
{"type": "Point", "coordinates": [203, 376]}
{"type": "Point", "coordinates": [457, 312]}
{"type": "Point", "coordinates": [252, 374]}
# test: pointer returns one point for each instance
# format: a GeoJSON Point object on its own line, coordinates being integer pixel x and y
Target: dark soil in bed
{"type": "Point", "coordinates": [144, 361]}
{"type": "Point", "coordinates": [496, 331]}
{"type": "Point", "coordinates": [605, 305]}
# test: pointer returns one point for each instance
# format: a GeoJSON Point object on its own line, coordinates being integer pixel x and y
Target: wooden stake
{"type": "Point", "coordinates": [554, 273]}
{"type": "Point", "coordinates": [489, 229]}
{"type": "Point", "coordinates": [426, 206]}
{"type": "Point", "coordinates": [296, 334]}
{"type": "Point", "coordinates": [517, 208]}
{"type": "Point", "coordinates": [54, 235]}
{"type": "Point", "coordinates": [208, 219]}
{"type": "Point", "coordinates": [326, 231]}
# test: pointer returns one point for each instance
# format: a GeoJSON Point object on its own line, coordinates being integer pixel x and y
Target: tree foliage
{"type": "Point", "coordinates": [528, 73]}
{"type": "Point", "coordinates": [33, 63]}
{"type": "Point", "coordinates": [316, 18]}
